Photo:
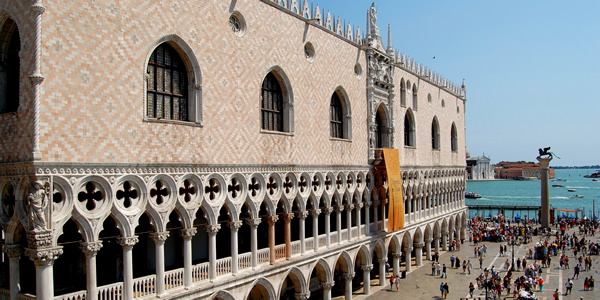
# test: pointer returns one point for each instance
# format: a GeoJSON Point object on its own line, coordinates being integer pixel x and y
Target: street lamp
{"type": "Point", "coordinates": [512, 243]}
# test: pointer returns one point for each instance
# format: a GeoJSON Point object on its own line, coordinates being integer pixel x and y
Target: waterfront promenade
{"type": "Point", "coordinates": [420, 284]}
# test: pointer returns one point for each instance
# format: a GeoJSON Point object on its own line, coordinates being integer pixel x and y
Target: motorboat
{"type": "Point", "coordinates": [558, 185]}
{"type": "Point", "coordinates": [572, 190]}
{"type": "Point", "coordinates": [471, 195]}
{"type": "Point", "coordinates": [576, 197]}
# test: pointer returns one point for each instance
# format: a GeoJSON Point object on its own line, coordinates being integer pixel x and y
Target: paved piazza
{"type": "Point", "coordinates": [421, 285]}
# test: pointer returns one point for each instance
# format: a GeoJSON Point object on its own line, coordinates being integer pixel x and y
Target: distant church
{"type": "Point", "coordinates": [479, 168]}
{"type": "Point", "coordinates": [218, 150]}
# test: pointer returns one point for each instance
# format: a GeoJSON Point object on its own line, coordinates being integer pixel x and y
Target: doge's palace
{"type": "Point", "coordinates": [218, 149]}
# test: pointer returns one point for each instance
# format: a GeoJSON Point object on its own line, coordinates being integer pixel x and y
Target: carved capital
{"type": "Point", "coordinates": [37, 7]}
{"type": "Point", "coordinates": [90, 249]}
{"type": "Point", "coordinates": [36, 78]}
{"type": "Point", "coordinates": [288, 217]}
{"type": "Point", "coordinates": [302, 214]}
{"type": "Point", "coordinates": [315, 212]}
{"type": "Point", "coordinates": [359, 204]}
{"type": "Point", "coordinates": [348, 276]}
{"type": "Point", "coordinates": [210, 229]}
{"type": "Point", "coordinates": [41, 257]}
{"type": "Point", "coordinates": [159, 237]}
{"type": "Point", "coordinates": [397, 255]}
{"type": "Point", "coordinates": [253, 222]}
{"type": "Point", "coordinates": [128, 242]}
{"type": "Point", "coordinates": [339, 209]}
{"type": "Point", "coordinates": [382, 260]}
{"type": "Point", "coordinates": [328, 210]}
{"type": "Point", "coordinates": [408, 249]}
{"type": "Point", "coordinates": [367, 268]}
{"type": "Point", "coordinates": [235, 225]}
{"type": "Point", "coordinates": [349, 207]}
{"type": "Point", "coordinates": [327, 285]}
{"type": "Point", "coordinates": [419, 245]}
{"type": "Point", "coordinates": [188, 233]}
{"type": "Point", "coordinates": [272, 219]}
{"type": "Point", "coordinates": [12, 251]}
{"type": "Point", "coordinates": [302, 296]}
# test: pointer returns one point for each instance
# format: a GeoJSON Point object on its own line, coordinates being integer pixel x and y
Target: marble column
{"type": "Point", "coordinates": [376, 214]}
{"type": "Point", "coordinates": [445, 241]}
{"type": "Point", "coordinates": [367, 278]}
{"type": "Point", "coordinates": [43, 260]}
{"type": "Point", "coordinates": [419, 253]}
{"type": "Point", "coordinates": [90, 250]}
{"type": "Point", "coordinates": [127, 243]}
{"type": "Point", "coordinates": [212, 231]}
{"type": "Point", "coordinates": [327, 212]}
{"type": "Point", "coordinates": [348, 285]}
{"type": "Point", "coordinates": [315, 215]}
{"type": "Point", "coordinates": [545, 192]}
{"type": "Point", "coordinates": [14, 255]}
{"type": "Point", "coordinates": [359, 206]}
{"type": "Point", "coordinates": [349, 208]}
{"type": "Point", "coordinates": [234, 226]}
{"type": "Point", "coordinates": [382, 262]}
{"type": "Point", "coordinates": [408, 256]}
{"type": "Point", "coordinates": [187, 234]}
{"type": "Point", "coordinates": [302, 227]}
{"type": "Point", "coordinates": [428, 248]}
{"type": "Point", "coordinates": [367, 218]}
{"type": "Point", "coordinates": [159, 239]}
{"type": "Point", "coordinates": [287, 219]}
{"type": "Point", "coordinates": [338, 222]}
{"type": "Point", "coordinates": [383, 227]}
{"type": "Point", "coordinates": [396, 263]}
{"type": "Point", "coordinates": [253, 241]}
{"type": "Point", "coordinates": [272, 220]}
{"type": "Point", "coordinates": [327, 289]}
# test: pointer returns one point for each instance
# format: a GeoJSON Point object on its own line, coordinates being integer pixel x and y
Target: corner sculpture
{"type": "Point", "coordinates": [37, 200]}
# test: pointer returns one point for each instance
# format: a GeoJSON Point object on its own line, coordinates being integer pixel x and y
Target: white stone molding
{"type": "Point", "coordinates": [159, 237]}
{"type": "Point", "coordinates": [91, 248]}
{"type": "Point", "coordinates": [127, 242]}
{"type": "Point", "coordinates": [45, 256]}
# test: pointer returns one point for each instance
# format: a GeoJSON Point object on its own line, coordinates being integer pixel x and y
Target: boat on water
{"type": "Point", "coordinates": [576, 197]}
{"type": "Point", "coordinates": [471, 195]}
{"type": "Point", "coordinates": [572, 190]}
{"type": "Point", "coordinates": [593, 175]}
{"type": "Point", "coordinates": [560, 179]}
{"type": "Point", "coordinates": [558, 185]}
{"type": "Point", "coordinates": [594, 179]}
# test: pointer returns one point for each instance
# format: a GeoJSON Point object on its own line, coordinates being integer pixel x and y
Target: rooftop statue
{"type": "Point", "coordinates": [545, 153]}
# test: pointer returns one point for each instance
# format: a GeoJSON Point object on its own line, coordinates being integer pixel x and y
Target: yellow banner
{"type": "Point", "coordinates": [394, 179]}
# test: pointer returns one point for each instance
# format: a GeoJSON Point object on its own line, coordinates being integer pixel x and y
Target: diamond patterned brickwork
{"type": "Point", "coordinates": [93, 96]}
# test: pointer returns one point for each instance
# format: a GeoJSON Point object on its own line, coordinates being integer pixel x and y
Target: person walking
{"type": "Point", "coordinates": [438, 268]}
{"type": "Point", "coordinates": [392, 282]}
{"type": "Point", "coordinates": [569, 286]}
{"type": "Point", "coordinates": [444, 274]}
{"type": "Point", "coordinates": [576, 271]}
{"type": "Point", "coordinates": [442, 289]}
{"type": "Point", "coordinates": [471, 288]}
{"type": "Point", "coordinates": [469, 266]}
{"type": "Point", "coordinates": [556, 294]}
{"type": "Point", "coordinates": [465, 267]}
{"type": "Point", "coordinates": [432, 268]}
{"type": "Point", "coordinates": [480, 263]}
{"type": "Point", "coordinates": [446, 290]}
{"type": "Point", "coordinates": [397, 283]}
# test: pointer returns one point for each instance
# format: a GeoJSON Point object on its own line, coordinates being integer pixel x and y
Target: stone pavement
{"type": "Point", "coordinates": [420, 284]}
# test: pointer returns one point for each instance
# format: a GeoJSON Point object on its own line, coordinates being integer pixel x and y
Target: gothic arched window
{"type": "Point", "coordinates": [10, 65]}
{"type": "Point", "coordinates": [167, 86]}
{"type": "Point", "coordinates": [336, 117]}
{"type": "Point", "coordinates": [271, 104]}
{"type": "Point", "coordinates": [435, 134]}
{"type": "Point", "coordinates": [409, 129]}
{"type": "Point", "coordinates": [454, 139]}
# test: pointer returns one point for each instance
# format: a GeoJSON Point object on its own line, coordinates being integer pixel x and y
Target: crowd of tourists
{"type": "Point", "coordinates": [537, 258]}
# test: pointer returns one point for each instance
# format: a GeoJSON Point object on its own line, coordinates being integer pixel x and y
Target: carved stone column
{"type": "Point", "coordinates": [359, 206]}
{"type": "Point", "coordinates": [327, 289]}
{"type": "Point", "coordinates": [14, 255]}
{"type": "Point", "coordinates": [367, 278]}
{"type": "Point", "coordinates": [382, 262]}
{"type": "Point", "coordinates": [272, 220]}
{"type": "Point", "coordinates": [419, 253]}
{"type": "Point", "coordinates": [234, 226]}
{"type": "Point", "coordinates": [159, 239]}
{"type": "Point", "coordinates": [90, 250]}
{"type": "Point", "coordinates": [187, 234]}
{"type": "Point", "coordinates": [428, 248]}
{"type": "Point", "coordinates": [327, 212]}
{"type": "Point", "coordinates": [301, 218]}
{"type": "Point", "coordinates": [436, 243]}
{"type": "Point", "coordinates": [212, 231]}
{"type": "Point", "coordinates": [376, 214]}
{"type": "Point", "coordinates": [349, 208]}
{"type": "Point", "coordinates": [36, 78]}
{"type": "Point", "coordinates": [127, 243]}
{"type": "Point", "coordinates": [44, 258]}
{"type": "Point", "coordinates": [253, 241]}
{"type": "Point", "coordinates": [445, 240]}
{"type": "Point", "coordinates": [287, 219]}
{"type": "Point", "coordinates": [338, 222]}
{"type": "Point", "coordinates": [348, 285]}
{"type": "Point", "coordinates": [315, 214]}
{"type": "Point", "coordinates": [408, 256]}
{"type": "Point", "coordinates": [396, 263]}
{"type": "Point", "coordinates": [367, 218]}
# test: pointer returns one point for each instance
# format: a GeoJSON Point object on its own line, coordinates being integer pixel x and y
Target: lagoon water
{"type": "Point", "coordinates": [527, 192]}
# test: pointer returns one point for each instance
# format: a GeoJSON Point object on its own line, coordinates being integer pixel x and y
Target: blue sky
{"type": "Point", "coordinates": [532, 68]}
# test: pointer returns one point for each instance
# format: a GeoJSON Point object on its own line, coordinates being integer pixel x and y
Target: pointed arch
{"type": "Point", "coordinates": [10, 64]}
{"type": "Point", "coordinates": [383, 126]}
{"type": "Point", "coordinates": [415, 98]}
{"type": "Point", "coordinates": [454, 138]}
{"type": "Point", "coordinates": [340, 115]}
{"type": "Point", "coordinates": [276, 102]}
{"type": "Point", "coordinates": [402, 92]}
{"type": "Point", "coordinates": [297, 278]}
{"type": "Point", "coordinates": [261, 287]}
{"type": "Point", "coordinates": [435, 134]}
{"type": "Point", "coordinates": [409, 129]}
{"type": "Point", "coordinates": [181, 98]}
